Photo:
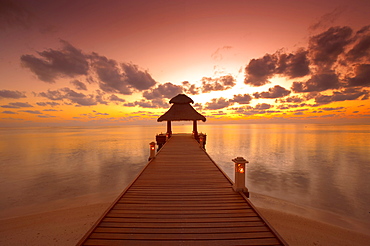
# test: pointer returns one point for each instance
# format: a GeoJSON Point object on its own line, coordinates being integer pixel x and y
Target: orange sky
{"type": "Point", "coordinates": [119, 62]}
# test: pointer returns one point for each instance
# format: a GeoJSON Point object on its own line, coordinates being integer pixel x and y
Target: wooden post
{"type": "Point", "coordinates": [195, 129]}
{"type": "Point", "coordinates": [152, 150]}
{"type": "Point", "coordinates": [239, 184]}
{"type": "Point", "coordinates": [169, 130]}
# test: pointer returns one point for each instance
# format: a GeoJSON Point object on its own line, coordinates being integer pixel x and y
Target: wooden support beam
{"type": "Point", "coordinates": [169, 129]}
{"type": "Point", "coordinates": [195, 129]}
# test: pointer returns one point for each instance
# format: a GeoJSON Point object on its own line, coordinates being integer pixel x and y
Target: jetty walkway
{"type": "Point", "coordinates": [181, 198]}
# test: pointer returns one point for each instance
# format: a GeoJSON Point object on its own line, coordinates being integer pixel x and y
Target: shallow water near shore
{"type": "Point", "coordinates": [317, 167]}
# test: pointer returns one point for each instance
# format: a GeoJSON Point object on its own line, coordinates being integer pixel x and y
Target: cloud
{"type": "Point", "coordinates": [292, 106]}
{"type": "Point", "coordinates": [273, 92]}
{"type": "Point", "coordinates": [242, 99]}
{"type": "Point", "coordinates": [115, 98]}
{"type": "Point", "coordinates": [344, 95]}
{"type": "Point", "coordinates": [217, 84]}
{"type": "Point", "coordinates": [79, 98]}
{"type": "Point", "coordinates": [334, 68]}
{"type": "Point", "coordinates": [360, 52]}
{"type": "Point", "coordinates": [219, 113]}
{"type": "Point", "coordinates": [325, 47]}
{"type": "Point", "coordinates": [31, 111]}
{"type": "Point", "coordinates": [292, 65]}
{"type": "Point", "coordinates": [48, 103]}
{"type": "Point", "coordinates": [98, 113]}
{"type": "Point", "coordinates": [123, 79]}
{"type": "Point", "coordinates": [327, 19]}
{"type": "Point", "coordinates": [137, 78]}
{"type": "Point", "coordinates": [160, 103]}
{"type": "Point", "coordinates": [209, 84]}
{"type": "Point", "coordinates": [46, 116]}
{"type": "Point", "coordinates": [335, 59]}
{"type": "Point", "coordinates": [52, 95]}
{"type": "Point", "coordinates": [218, 103]}
{"type": "Point", "coordinates": [73, 96]}
{"type": "Point", "coordinates": [332, 109]}
{"type": "Point", "coordinates": [67, 62]}
{"type": "Point", "coordinates": [317, 83]}
{"type": "Point", "coordinates": [198, 106]}
{"type": "Point", "coordinates": [258, 71]}
{"type": "Point", "coordinates": [9, 112]}
{"type": "Point", "coordinates": [99, 97]}
{"type": "Point", "coordinates": [8, 106]}
{"type": "Point", "coordinates": [191, 89]}
{"type": "Point", "coordinates": [79, 85]}
{"type": "Point", "coordinates": [17, 105]}
{"type": "Point", "coordinates": [50, 110]}
{"type": "Point", "coordinates": [11, 94]}
{"type": "Point", "coordinates": [362, 77]}
{"type": "Point", "coordinates": [155, 103]}
{"type": "Point", "coordinates": [261, 108]}
{"type": "Point", "coordinates": [292, 99]}
{"type": "Point", "coordinates": [110, 75]}
{"type": "Point", "coordinates": [167, 90]}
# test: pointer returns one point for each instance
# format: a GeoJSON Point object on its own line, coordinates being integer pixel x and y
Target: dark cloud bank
{"type": "Point", "coordinates": [11, 94]}
{"type": "Point", "coordinates": [337, 59]}
{"type": "Point", "coordinates": [70, 62]}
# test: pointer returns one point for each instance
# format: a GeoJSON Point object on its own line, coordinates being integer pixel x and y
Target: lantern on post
{"type": "Point", "coordinates": [201, 140]}
{"type": "Point", "coordinates": [152, 150]}
{"type": "Point", "coordinates": [239, 184]}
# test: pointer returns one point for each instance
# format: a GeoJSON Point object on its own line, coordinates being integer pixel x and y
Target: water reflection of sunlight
{"type": "Point", "coordinates": [315, 165]}
{"type": "Point", "coordinates": [321, 166]}
{"type": "Point", "coordinates": [47, 164]}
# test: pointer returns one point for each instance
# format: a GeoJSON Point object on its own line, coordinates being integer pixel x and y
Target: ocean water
{"type": "Point", "coordinates": [324, 170]}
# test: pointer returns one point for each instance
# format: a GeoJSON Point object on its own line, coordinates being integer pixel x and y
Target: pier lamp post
{"type": "Point", "coordinates": [201, 140]}
{"type": "Point", "coordinates": [239, 184]}
{"type": "Point", "coordinates": [152, 150]}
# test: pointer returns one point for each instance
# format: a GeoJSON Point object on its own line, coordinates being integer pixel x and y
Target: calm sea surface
{"type": "Point", "coordinates": [316, 167]}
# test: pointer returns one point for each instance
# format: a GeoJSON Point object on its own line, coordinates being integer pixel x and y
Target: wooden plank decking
{"type": "Point", "coordinates": [181, 198]}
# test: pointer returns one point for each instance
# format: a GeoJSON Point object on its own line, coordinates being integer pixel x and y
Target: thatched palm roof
{"type": "Point", "coordinates": [181, 110]}
{"type": "Point", "coordinates": [181, 99]}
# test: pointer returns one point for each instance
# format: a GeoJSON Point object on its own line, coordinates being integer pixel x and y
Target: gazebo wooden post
{"type": "Point", "coordinates": [169, 130]}
{"type": "Point", "coordinates": [195, 129]}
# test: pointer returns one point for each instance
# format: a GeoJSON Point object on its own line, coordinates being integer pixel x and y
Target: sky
{"type": "Point", "coordinates": [89, 62]}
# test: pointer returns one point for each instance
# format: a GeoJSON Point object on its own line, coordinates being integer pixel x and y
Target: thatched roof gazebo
{"type": "Point", "coordinates": [181, 110]}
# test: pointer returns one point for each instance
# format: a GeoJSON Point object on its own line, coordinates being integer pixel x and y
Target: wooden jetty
{"type": "Point", "coordinates": [182, 198]}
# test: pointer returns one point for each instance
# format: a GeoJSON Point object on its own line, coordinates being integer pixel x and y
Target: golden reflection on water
{"type": "Point", "coordinates": [42, 165]}
{"type": "Point", "coordinates": [321, 166]}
